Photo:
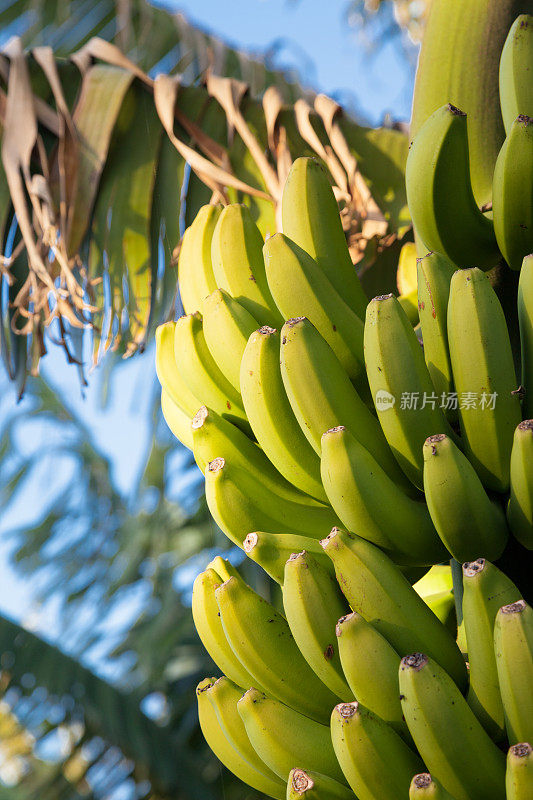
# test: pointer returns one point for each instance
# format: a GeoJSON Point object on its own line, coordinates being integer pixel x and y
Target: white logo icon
{"type": "Point", "coordinates": [384, 400]}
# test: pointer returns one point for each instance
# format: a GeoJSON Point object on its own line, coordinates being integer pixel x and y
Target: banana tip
{"type": "Point", "coordinates": [347, 710]}
{"type": "Point", "coordinates": [422, 780]}
{"type": "Point", "coordinates": [471, 568]}
{"type": "Point", "coordinates": [521, 750]}
{"type": "Point", "coordinates": [514, 608]}
{"type": "Point", "coordinates": [199, 418]}
{"type": "Point", "coordinates": [250, 542]}
{"type": "Point", "coordinates": [301, 781]}
{"type": "Point", "coordinates": [415, 661]}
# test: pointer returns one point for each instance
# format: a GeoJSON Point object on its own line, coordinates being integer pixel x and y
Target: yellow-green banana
{"type": "Point", "coordinates": [300, 288]}
{"type": "Point", "coordinates": [227, 326]}
{"type": "Point", "coordinates": [520, 506]}
{"type": "Point", "coordinates": [371, 666]}
{"type": "Point", "coordinates": [195, 271]}
{"type": "Point", "coordinates": [200, 371]}
{"type": "Point", "coordinates": [448, 736]}
{"type": "Point", "coordinates": [238, 266]}
{"type": "Point", "coordinates": [516, 90]}
{"type": "Point", "coordinates": [519, 775]}
{"type": "Point", "coordinates": [525, 319]}
{"type": "Point", "coordinates": [367, 501]}
{"type": "Point", "coordinates": [170, 377]}
{"type": "Point", "coordinates": [262, 641]}
{"type": "Point", "coordinates": [406, 281]}
{"type": "Point", "coordinates": [376, 589]}
{"type": "Point", "coordinates": [283, 736]}
{"type": "Point", "coordinates": [271, 551]}
{"type": "Point", "coordinates": [271, 416]}
{"type": "Point", "coordinates": [407, 405]}
{"type": "Point", "coordinates": [321, 395]}
{"type": "Point", "coordinates": [512, 193]}
{"type": "Point", "coordinates": [424, 787]}
{"type": "Point", "coordinates": [310, 217]}
{"type": "Point", "coordinates": [209, 627]}
{"type": "Point", "coordinates": [315, 786]}
{"type": "Point", "coordinates": [485, 589]}
{"type": "Point", "coordinates": [467, 520]}
{"type": "Point", "coordinates": [374, 759]}
{"type": "Point", "coordinates": [177, 420]}
{"type": "Point", "coordinates": [484, 376]}
{"type": "Point", "coordinates": [439, 192]}
{"type": "Point", "coordinates": [224, 750]}
{"type": "Point", "coordinates": [436, 590]}
{"type": "Point", "coordinates": [223, 568]}
{"type": "Point", "coordinates": [313, 603]}
{"type": "Point", "coordinates": [513, 646]}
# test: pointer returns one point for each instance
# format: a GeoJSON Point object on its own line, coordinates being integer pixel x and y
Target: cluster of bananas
{"type": "Point", "coordinates": [409, 455]}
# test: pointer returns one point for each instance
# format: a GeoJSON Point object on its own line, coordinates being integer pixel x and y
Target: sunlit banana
{"type": "Point", "coordinates": [223, 568]}
{"type": "Point", "coordinates": [262, 640]}
{"type": "Point", "coordinates": [467, 520]}
{"type": "Point", "coordinates": [313, 603]}
{"type": "Point", "coordinates": [512, 192]}
{"type": "Point", "coordinates": [516, 90]}
{"type": "Point", "coordinates": [484, 376]}
{"type": "Point", "coordinates": [436, 590]}
{"type": "Point", "coordinates": [282, 736]}
{"type": "Point", "coordinates": [439, 192]}
{"type": "Point", "coordinates": [238, 266]}
{"type": "Point", "coordinates": [369, 502]}
{"type": "Point", "coordinates": [513, 646]}
{"type": "Point", "coordinates": [376, 589]}
{"type": "Point", "coordinates": [200, 371]}
{"type": "Point", "coordinates": [271, 416]}
{"type": "Point", "coordinates": [525, 319]}
{"type": "Point", "coordinates": [315, 786]}
{"type": "Point", "coordinates": [406, 402]}
{"type": "Point", "coordinates": [177, 420]}
{"type": "Point", "coordinates": [195, 271]}
{"type": "Point", "coordinates": [424, 787]}
{"type": "Point", "coordinates": [209, 627]}
{"type": "Point", "coordinates": [520, 507]}
{"type": "Point", "coordinates": [485, 589]}
{"type": "Point", "coordinates": [322, 396]}
{"type": "Point", "coordinates": [371, 665]}
{"type": "Point", "coordinates": [311, 218]}
{"type": "Point", "coordinates": [519, 775]}
{"type": "Point", "coordinates": [434, 276]}
{"type": "Point", "coordinates": [224, 750]}
{"type": "Point", "coordinates": [300, 288]}
{"type": "Point", "coordinates": [271, 551]}
{"type": "Point", "coordinates": [450, 739]}
{"type": "Point", "coordinates": [374, 759]}
{"type": "Point", "coordinates": [227, 326]}
{"type": "Point", "coordinates": [170, 377]}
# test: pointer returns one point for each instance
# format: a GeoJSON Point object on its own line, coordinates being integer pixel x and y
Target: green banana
{"type": "Point", "coordinates": [195, 271]}
{"type": "Point", "coordinates": [224, 696]}
{"type": "Point", "coordinates": [485, 589]}
{"type": "Point", "coordinates": [224, 750]}
{"type": "Point", "coordinates": [310, 217]}
{"type": "Point", "coordinates": [520, 506]}
{"type": "Point", "coordinates": [374, 759]}
{"type": "Point", "coordinates": [201, 373]}
{"type": "Point", "coordinates": [519, 775]}
{"type": "Point", "coordinates": [313, 603]}
{"type": "Point", "coordinates": [371, 666]}
{"type": "Point", "coordinates": [369, 502]}
{"type": "Point", "coordinates": [467, 521]}
{"type": "Point", "coordinates": [434, 277]}
{"type": "Point", "coordinates": [227, 326]}
{"type": "Point", "coordinates": [448, 736]}
{"type": "Point", "coordinates": [271, 416]}
{"type": "Point", "coordinates": [300, 287]}
{"type": "Point", "coordinates": [525, 319]}
{"type": "Point", "coordinates": [512, 193]}
{"type": "Point", "coordinates": [170, 377]}
{"type": "Point", "coordinates": [406, 403]}
{"type": "Point", "coordinates": [423, 787]}
{"type": "Point", "coordinates": [240, 504]}
{"type": "Point", "coordinates": [440, 196]}
{"type": "Point", "coordinates": [322, 396]}
{"type": "Point", "coordinates": [484, 376]}
{"type": "Point", "coordinates": [177, 420]}
{"type": "Point", "coordinates": [261, 639]}
{"type": "Point", "coordinates": [314, 786]}
{"type": "Point", "coordinates": [209, 627]}
{"type": "Point", "coordinates": [238, 266]}
{"type": "Point", "coordinates": [513, 646]}
{"type": "Point", "coordinates": [271, 551]}
{"type": "Point", "coordinates": [376, 589]}
{"type": "Point", "coordinates": [516, 92]}
{"type": "Point", "coordinates": [282, 736]}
